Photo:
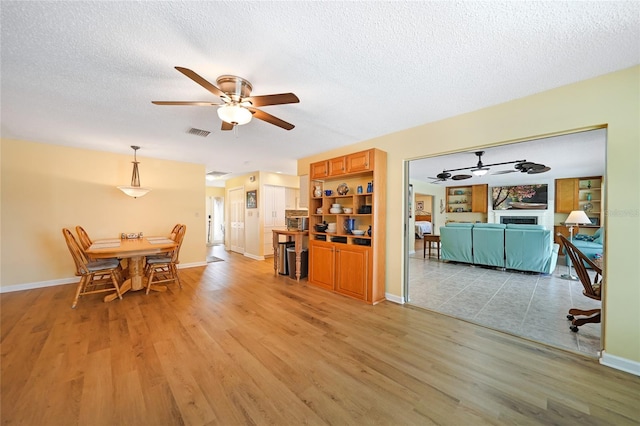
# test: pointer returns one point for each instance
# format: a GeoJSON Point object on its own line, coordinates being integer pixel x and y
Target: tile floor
{"type": "Point", "coordinates": [529, 305]}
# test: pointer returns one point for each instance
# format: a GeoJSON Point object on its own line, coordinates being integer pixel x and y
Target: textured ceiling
{"type": "Point", "coordinates": [84, 73]}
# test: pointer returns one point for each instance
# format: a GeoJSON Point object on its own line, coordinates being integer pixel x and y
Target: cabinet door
{"type": "Point", "coordinates": [337, 166]}
{"type": "Point", "coordinates": [352, 270]}
{"type": "Point", "coordinates": [321, 264]}
{"type": "Point", "coordinates": [479, 195]}
{"type": "Point", "coordinates": [359, 162]}
{"type": "Point", "coordinates": [274, 206]}
{"type": "Point", "coordinates": [319, 170]}
{"type": "Point", "coordinates": [566, 195]}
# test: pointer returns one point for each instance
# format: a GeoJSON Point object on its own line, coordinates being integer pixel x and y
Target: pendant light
{"type": "Point", "coordinates": [135, 190]}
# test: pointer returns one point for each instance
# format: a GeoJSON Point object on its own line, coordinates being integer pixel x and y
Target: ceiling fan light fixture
{"type": "Point", "coordinates": [234, 114]}
{"type": "Point", "coordinates": [135, 190]}
{"type": "Point", "coordinates": [480, 172]}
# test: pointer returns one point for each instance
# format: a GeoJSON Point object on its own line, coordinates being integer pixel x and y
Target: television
{"type": "Point", "coordinates": [520, 197]}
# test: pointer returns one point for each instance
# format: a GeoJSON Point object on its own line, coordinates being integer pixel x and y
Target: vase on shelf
{"type": "Point", "coordinates": [588, 196]}
{"type": "Point", "coordinates": [369, 231]}
{"type": "Point", "coordinates": [589, 184]}
{"type": "Point", "coordinates": [317, 191]}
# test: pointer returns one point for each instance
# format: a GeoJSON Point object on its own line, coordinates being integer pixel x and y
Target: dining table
{"type": "Point", "coordinates": [134, 250]}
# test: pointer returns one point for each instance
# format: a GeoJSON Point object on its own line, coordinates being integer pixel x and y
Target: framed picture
{"type": "Point", "coordinates": [252, 199]}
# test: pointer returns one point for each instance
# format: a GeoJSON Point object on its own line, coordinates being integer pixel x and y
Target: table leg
{"type": "Point", "coordinates": [275, 241]}
{"type": "Point", "coordinates": [135, 281]}
{"type": "Point", "coordinates": [424, 248]}
{"type": "Point", "coordinates": [298, 246]}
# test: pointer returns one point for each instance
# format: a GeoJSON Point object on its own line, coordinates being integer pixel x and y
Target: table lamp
{"type": "Point", "coordinates": [576, 217]}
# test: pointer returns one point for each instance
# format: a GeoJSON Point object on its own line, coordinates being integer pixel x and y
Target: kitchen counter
{"type": "Point", "coordinates": [297, 238]}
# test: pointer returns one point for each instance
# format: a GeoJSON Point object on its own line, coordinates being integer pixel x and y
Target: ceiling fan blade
{"type": "Point", "coordinates": [261, 115]}
{"type": "Point", "coordinates": [202, 82]}
{"type": "Point", "coordinates": [226, 126]}
{"type": "Point", "coordinates": [461, 177]}
{"type": "Point", "coordinates": [279, 99]}
{"type": "Point", "coordinates": [190, 103]}
{"type": "Point", "coordinates": [503, 172]}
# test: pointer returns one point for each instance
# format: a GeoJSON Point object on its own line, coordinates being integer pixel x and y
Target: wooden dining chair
{"type": "Point", "coordinates": [164, 269]}
{"type": "Point", "coordinates": [85, 243]}
{"type": "Point", "coordinates": [592, 287]}
{"type": "Point", "coordinates": [97, 276]}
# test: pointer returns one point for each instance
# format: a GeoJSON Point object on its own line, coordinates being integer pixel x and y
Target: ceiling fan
{"type": "Point", "coordinates": [481, 169]}
{"type": "Point", "coordinates": [238, 106]}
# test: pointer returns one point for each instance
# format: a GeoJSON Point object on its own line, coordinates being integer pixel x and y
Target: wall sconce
{"type": "Point", "coordinates": [135, 190]}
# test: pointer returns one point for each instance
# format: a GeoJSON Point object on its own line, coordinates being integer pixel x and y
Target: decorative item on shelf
{"type": "Point", "coordinates": [134, 190]}
{"type": "Point", "coordinates": [359, 189]}
{"type": "Point", "coordinates": [342, 189]}
{"type": "Point", "coordinates": [317, 191]}
{"type": "Point", "coordinates": [328, 192]}
{"type": "Point", "coordinates": [369, 231]}
{"type": "Point", "coordinates": [588, 196]}
{"type": "Point", "coordinates": [370, 187]}
{"type": "Point", "coordinates": [349, 225]}
{"type": "Point", "coordinates": [589, 184]}
{"type": "Point", "coordinates": [319, 210]}
{"type": "Point", "coordinates": [587, 207]}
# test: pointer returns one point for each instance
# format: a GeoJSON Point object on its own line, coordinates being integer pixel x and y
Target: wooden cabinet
{"type": "Point", "coordinates": [319, 170]}
{"type": "Point", "coordinates": [337, 166]}
{"type": "Point", "coordinates": [352, 270]}
{"type": "Point", "coordinates": [359, 162]}
{"type": "Point", "coordinates": [580, 194]}
{"type": "Point", "coordinates": [566, 195]}
{"type": "Point", "coordinates": [343, 262]}
{"type": "Point", "coordinates": [467, 199]}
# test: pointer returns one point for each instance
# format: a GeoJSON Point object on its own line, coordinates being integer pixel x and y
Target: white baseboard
{"type": "Point", "coordinates": [620, 363]}
{"type": "Point", "coordinates": [393, 298]}
{"type": "Point", "coordinates": [71, 280]}
{"type": "Point", "coordinates": [39, 284]}
{"type": "Point", "coordinates": [253, 256]}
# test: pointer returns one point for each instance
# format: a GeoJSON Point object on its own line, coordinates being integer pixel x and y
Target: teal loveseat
{"type": "Point", "coordinates": [512, 246]}
{"type": "Point", "coordinates": [590, 245]}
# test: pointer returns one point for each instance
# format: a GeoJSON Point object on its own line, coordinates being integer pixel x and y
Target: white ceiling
{"type": "Point", "coordinates": [84, 73]}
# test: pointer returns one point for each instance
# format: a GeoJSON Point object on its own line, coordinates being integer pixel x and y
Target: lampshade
{"type": "Point", "coordinates": [234, 114]}
{"type": "Point", "coordinates": [480, 172]}
{"type": "Point", "coordinates": [577, 217]}
{"type": "Point", "coordinates": [134, 190]}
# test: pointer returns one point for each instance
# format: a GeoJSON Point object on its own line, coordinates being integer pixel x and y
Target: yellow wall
{"type": "Point", "coordinates": [48, 187]}
{"type": "Point", "coordinates": [612, 100]}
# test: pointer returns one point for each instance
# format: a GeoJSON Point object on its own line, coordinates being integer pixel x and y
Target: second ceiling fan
{"type": "Point", "coordinates": [238, 106]}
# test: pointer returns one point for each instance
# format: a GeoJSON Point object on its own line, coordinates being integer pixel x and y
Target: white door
{"type": "Point", "coordinates": [236, 219]}
{"type": "Point", "coordinates": [215, 220]}
{"type": "Point", "coordinates": [273, 215]}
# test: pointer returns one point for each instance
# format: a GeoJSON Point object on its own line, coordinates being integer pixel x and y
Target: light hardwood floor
{"type": "Point", "coordinates": [238, 345]}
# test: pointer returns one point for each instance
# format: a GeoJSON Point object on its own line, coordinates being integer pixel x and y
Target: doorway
{"type": "Point", "coordinates": [215, 220]}
{"type": "Point", "coordinates": [236, 220]}
{"type": "Point", "coordinates": [532, 306]}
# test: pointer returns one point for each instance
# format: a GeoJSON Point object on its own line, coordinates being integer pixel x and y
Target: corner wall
{"type": "Point", "coordinates": [612, 100]}
{"type": "Point", "coordinates": [48, 187]}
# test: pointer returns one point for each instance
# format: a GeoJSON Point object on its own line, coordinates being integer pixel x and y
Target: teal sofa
{"type": "Point", "coordinates": [512, 246]}
{"type": "Point", "coordinates": [529, 248]}
{"type": "Point", "coordinates": [590, 245]}
{"type": "Point", "coordinates": [456, 242]}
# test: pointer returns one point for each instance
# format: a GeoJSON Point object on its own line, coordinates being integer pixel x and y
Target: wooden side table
{"type": "Point", "coordinates": [431, 239]}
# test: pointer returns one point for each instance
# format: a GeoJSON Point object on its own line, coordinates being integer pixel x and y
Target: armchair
{"type": "Point", "coordinates": [592, 289]}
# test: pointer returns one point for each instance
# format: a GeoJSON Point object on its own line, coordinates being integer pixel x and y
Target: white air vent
{"type": "Point", "coordinates": [216, 175]}
{"type": "Point", "coordinates": [198, 132]}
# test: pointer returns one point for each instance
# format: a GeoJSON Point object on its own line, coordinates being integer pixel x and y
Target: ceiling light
{"type": "Point", "coordinates": [134, 190]}
{"type": "Point", "coordinates": [234, 114]}
{"type": "Point", "coordinates": [480, 172]}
